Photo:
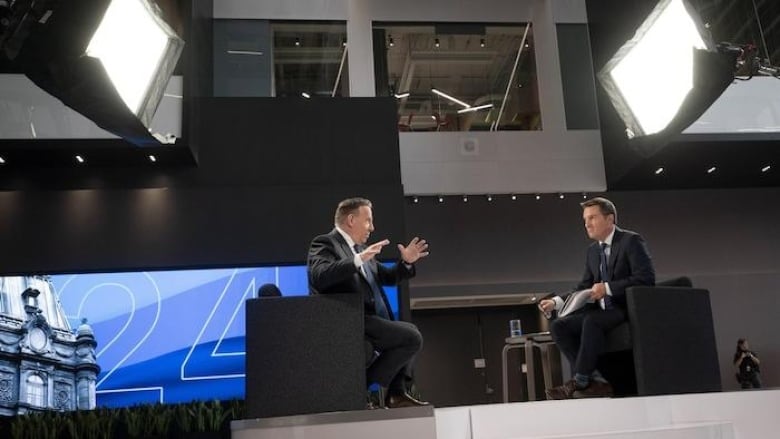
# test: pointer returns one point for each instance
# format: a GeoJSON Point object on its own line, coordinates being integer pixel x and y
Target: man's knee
{"type": "Point", "coordinates": [415, 337]}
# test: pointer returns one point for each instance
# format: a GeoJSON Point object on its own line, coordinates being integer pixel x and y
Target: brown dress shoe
{"type": "Point", "coordinates": [403, 400]}
{"type": "Point", "coordinates": [596, 389]}
{"type": "Point", "coordinates": [565, 391]}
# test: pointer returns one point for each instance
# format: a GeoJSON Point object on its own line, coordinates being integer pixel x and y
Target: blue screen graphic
{"type": "Point", "coordinates": [172, 336]}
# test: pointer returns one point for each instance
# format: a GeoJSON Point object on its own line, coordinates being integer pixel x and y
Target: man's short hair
{"type": "Point", "coordinates": [349, 206]}
{"type": "Point", "coordinates": [605, 206]}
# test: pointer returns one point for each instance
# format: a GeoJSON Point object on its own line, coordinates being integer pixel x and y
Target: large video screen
{"type": "Point", "coordinates": [169, 336]}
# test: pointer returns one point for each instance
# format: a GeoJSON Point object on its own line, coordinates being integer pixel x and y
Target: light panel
{"type": "Point", "coordinates": [653, 73]}
{"type": "Point", "coordinates": [133, 45]}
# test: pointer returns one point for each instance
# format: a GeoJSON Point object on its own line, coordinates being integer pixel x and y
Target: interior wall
{"type": "Point", "coordinates": [554, 159]}
{"type": "Point", "coordinates": [727, 241]}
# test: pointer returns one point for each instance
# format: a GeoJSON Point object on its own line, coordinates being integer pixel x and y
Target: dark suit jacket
{"type": "Point", "coordinates": [331, 269]}
{"type": "Point", "coordinates": [629, 264]}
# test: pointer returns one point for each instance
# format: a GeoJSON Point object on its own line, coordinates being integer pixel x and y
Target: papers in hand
{"type": "Point", "coordinates": [575, 301]}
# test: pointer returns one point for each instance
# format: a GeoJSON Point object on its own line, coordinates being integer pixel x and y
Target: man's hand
{"type": "Point", "coordinates": [373, 250]}
{"type": "Point", "coordinates": [547, 305]}
{"type": "Point", "coordinates": [416, 249]}
{"type": "Point", "coordinates": [598, 291]}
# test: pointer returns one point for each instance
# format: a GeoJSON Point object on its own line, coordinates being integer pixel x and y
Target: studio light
{"type": "Point", "coordinates": [138, 51]}
{"type": "Point", "coordinates": [109, 60]}
{"type": "Point", "coordinates": [668, 74]}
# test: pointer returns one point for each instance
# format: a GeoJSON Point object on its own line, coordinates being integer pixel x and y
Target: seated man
{"type": "Point", "coordinates": [340, 262]}
{"type": "Point", "coordinates": [617, 260]}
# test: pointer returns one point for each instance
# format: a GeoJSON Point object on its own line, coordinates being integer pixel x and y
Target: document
{"type": "Point", "coordinates": [575, 301]}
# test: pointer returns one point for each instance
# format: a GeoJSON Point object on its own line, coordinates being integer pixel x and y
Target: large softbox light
{"type": "Point", "coordinates": [667, 75]}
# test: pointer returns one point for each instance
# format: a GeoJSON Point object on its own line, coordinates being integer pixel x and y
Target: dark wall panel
{"type": "Point", "coordinates": [270, 174]}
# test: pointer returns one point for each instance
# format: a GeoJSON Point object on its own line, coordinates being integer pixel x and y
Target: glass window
{"type": "Point", "coordinates": [310, 59]}
{"type": "Point", "coordinates": [459, 77]}
{"type": "Point", "coordinates": [280, 58]}
{"type": "Point", "coordinates": [35, 391]}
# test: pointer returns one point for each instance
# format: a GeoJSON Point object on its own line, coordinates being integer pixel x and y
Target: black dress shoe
{"type": "Point", "coordinates": [596, 389]}
{"type": "Point", "coordinates": [403, 400]}
{"type": "Point", "coordinates": [565, 391]}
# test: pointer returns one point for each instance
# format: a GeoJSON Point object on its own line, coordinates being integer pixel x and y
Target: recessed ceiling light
{"type": "Point", "coordinates": [152, 158]}
{"type": "Point", "coordinates": [711, 169]}
{"type": "Point", "coordinates": [2, 161]}
{"type": "Point", "coordinates": [415, 199]}
{"type": "Point", "coordinates": [436, 43]}
{"type": "Point", "coordinates": [390, 41]}
{"type": "Point", "coordinates": [441, 199]}
{"type": "Point", "coordinates": [584, 196]}
{"type": "Point", "coordinates": [297, 42]}
{"type": "Point", "coordinates": [766, 168]}
{"type": "Point", "coordinates": [514, 197]}
{"type": "Point", "coordinates": [561, 196]}
{"type": "Point", "coordinates": [659, 171]}
{"type": "Point", "coordinates": [80, 159]}
{"type": "Point", "coordinates": [482, 42]}
{"type": "Point", "coordinates": [538, 197]}
{"type": "Point", "coordinates": [465, 198]}
{"type": "Point", "coordinates": [306, 95]}
{"type": "Point", "coordinates": [490, 198]}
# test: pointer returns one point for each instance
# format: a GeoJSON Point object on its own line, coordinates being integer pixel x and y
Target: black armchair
{"type": "Point", "coordinates": [304, 355]}
{"type": "Point", "coordinates": [668, 342]}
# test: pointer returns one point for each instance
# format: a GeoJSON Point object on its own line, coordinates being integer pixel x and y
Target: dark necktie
{"type": "Point", "coordinates": [379, 303]}
{"type": "Point", "coordinates": [603, 273]}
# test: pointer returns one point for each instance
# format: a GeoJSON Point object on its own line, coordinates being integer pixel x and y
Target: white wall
{"type": "Point", "coordinates": [552, 160]}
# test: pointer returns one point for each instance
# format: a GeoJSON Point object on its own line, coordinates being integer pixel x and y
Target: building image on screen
{"type": "Point", "coordinates": [157, 337]}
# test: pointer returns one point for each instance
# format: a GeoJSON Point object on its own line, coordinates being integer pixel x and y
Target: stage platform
{"type": "Point", "coordinates": [722, 415]}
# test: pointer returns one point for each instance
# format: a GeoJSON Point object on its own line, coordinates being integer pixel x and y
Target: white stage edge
{"type": "Point", "coordinates": [722, 415]}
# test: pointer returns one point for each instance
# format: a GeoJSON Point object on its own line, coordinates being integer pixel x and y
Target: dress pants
{"type": "Point", "coordinates": [581, 336]}
{"type": "Point", "coordinates": [398, 343]}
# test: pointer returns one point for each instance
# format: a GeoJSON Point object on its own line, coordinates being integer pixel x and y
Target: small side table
{"type": "Point", "coordinates": [545, 343]}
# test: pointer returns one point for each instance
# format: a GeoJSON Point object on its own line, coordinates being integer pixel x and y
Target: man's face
{"type": "Point", "coordinates": [598, 225]}
{"type": "Point", "coordinates": [360, 225]}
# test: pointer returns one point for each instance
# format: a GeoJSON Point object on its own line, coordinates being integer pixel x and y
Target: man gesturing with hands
{"type": "Point", "coordinates": [341, 262]}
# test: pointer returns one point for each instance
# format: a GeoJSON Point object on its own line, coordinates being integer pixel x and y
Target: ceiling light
{"type": "Point", "coordinates": [651, 76]}
{"type": "Point", "coordinates": [465, 198]}
{"type": "Point", "coordinates": [245, 52]}
{"type": "Point", "coordinates": [436, 43]}
{"type": "Point", "coordinates": [441, 199]}
{"type": "Point", "coordinates": [152, 158]}
{"type": "Point", "coordinates": [490, 198]}
{"type": "Point", "coordinates": [659, 171]}
{"type": "Point", "coordinates": [538, 197]}
{"type": "Point", "coordinates": [2, 161]}
{"type": "Point", "coordinates": [561, 196]}
{"type": "Point", "coordinates": [446, 96]}
{"type": "Point", "coordinates": [305, 95]}
{"type": "Point", "coordinates": [402, 95]}
{"type": "Point", "coordinates": [477, 108]}
{"type": "Point", "coordinates": [514, 197]}
{"type": "Point", "coordinates": [343, 43]}
{"type": "Point", "coordinates": [415, 199]}
{"type": "Point", "coordinates": [80, 159]}
{"type": "Point", "coordinates": [711, 170]}
{"type": "Point", "coordinates": [390, 41]}
{"type": "Point", "coordinates": [482, 42]}
{"type": "Point", "coordinates": [297, 42]}
{"type": "Point", "coordinates": [766, 168]}
{"type": "Point", "coordinates": [584, 196]}
{"type": "Point", "coordinates": [527, 45]}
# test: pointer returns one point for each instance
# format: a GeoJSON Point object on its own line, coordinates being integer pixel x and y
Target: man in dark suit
{"type": "Point", "coordinates": [616, 260]}
{"type": "Point", "coordinates": [340, 262]}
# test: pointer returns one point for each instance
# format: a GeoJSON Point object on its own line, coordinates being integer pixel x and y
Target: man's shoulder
{"type": "Point", "coordinates": [627, 234]}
